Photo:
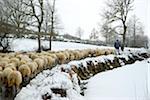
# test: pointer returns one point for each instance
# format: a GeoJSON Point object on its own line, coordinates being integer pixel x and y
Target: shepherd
{"type": "Point", "coordinates": [117, 46]}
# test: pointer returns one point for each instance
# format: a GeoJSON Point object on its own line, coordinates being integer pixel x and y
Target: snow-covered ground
{"type": "Point", "coordinates": [130, 82]}
{"type": "Point", "coordinates": [48, 79]}
{"type": "Point", "coordinates": [32, 45]}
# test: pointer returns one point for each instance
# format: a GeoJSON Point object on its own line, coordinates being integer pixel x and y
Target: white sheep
{"type": "Point", "coordinates": [33, 67]}
{"type": "Point", "coordinates": [1, 78]}
{"type": "Point", "coordinates": [25, 70]}
{"type": "Point", "coordinates": [11, 65]}
{"type": "Point", "coordinates": [15, 60]}
{"type": "Point", "coordinates": [61, 57]}
{"type": "Point", "coordinates": [1, 69]}
{"type": "Point", "coordinates": [40, 63]}
{"type": "Point", "coordinates": [6, 73]}
{"type": "Point", "coordinates": [3, 64]}
{"type": "Point", "coordinates": [14, 81]}
{"type": "Point", "coordinates": [51, 61]}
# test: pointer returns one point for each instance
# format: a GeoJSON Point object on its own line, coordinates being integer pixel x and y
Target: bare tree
{"type": "Point", "coordinates": [36, 11]}
{"type": "Point", "coordinates": [135, 33]}
{"type": "Point", "coordinates": [94, 34]}
{"type": "Point", "coordinates": [134, 26]}
{"type": "Point", "coordinates": [118, 10]}
{"type": "Point", "coordinates": [79, 32]}
{"type": "Point", "coordinates": [51, 8]}
{"type": "Point", "coordinates": [17, 18]}
{"type": "Point", "coordinates": [5, 14]}
{"type": "Point", "coordinates": [108, 33]}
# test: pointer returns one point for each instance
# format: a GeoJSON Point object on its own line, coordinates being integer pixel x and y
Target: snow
{"type": "Point", "coordinates": [130, 82]}
{"type": "Point", "coordinates": [48, 79]}
{"type": "Point", "coordinates": [32, 45]}
{"type": "Point", "coordinates": [127, 81]}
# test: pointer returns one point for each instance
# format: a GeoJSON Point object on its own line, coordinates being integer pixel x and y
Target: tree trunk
{"type": "Point", "coordinates": [134, 32]}
{"type": "Point", "coordinates": [124, 36]}
{"type": "Point", "coordinates": [39, 39]}
{"type": "Point", "coordinates": [52, 31]}
{"type": "Point", "coordinates": [50, 42]}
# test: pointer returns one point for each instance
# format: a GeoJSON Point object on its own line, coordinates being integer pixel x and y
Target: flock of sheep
{"type": "Point", "coordinates": [16, 69]}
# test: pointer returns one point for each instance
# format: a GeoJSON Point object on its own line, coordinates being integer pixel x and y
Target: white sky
{"type": "Point", "coordinates": [86, 14]}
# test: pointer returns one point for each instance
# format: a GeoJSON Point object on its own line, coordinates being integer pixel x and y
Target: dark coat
{"type": "Point", "coordinates": [117, 44]}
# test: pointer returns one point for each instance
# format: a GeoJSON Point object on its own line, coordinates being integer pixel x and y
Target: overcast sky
{"type": "Point", "coordinates": [86, 14]}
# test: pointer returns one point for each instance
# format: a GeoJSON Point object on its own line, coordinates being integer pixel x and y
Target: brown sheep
{"type": "Point", "coordinates": [25, 70]}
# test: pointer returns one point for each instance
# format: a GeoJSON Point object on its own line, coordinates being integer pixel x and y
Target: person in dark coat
{"type": "Point", "coordinates": [117, 46]}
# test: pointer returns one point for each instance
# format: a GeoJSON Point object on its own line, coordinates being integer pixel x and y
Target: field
{"type": "Point", "coordinates": [71, 69]}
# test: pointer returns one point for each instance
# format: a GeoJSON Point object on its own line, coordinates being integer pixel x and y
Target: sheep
{"type": "Point", "coordinates": [97, 52]}
{"type": "Point", "coordinates": [18, 55]}
{"type": "Point", "coordinates": [6, 73]}
{"type": "Point", "coordinates": [3, 64]}
{"type": "Point", "coordinates": [24, 61]}
{"type": "Point", "coordinates": [15, 60]}
{"type": "Point", "coordinates": [33, 67]}
{"type": "Point", "coordinates": [6, 58]}
{"type": "Point", "coordinates": [44, 53]}
{"type": "Point", "coordinates": [40, 63]}
{"type": "Point", "coordinates": [2, 54]}
{"type": "Point", "coordinates": [11, 55]}
{"type": "Point", "coordinates": [72, 57]}
{"type": "Point", "coordinates": [15, 79]}
{"type": "Point", "coordinates": [51, 61]}
{"type": "Point", "coordinates": [1, 69]}
{"type": "Point", "coordinates": [81, 54]}
{"type": "Point", "coordinates": [111, 51]}
{"type": "Point", "coordinates": [33, 56]}
{"type": "Point", "coordinates": [76, 54]}
{"type": "Point", "coordinates": [23, 57]}
{"type": "Point", "coordinates": [11, 65]}
{"type": "Point", "coordinates": [53, 56]}
{"type": "Point", "coordinates": [61, 58]}
{"type": "Point", "coordinates": [25, 70]}
{"type": "Point", "coordinates": [67, 55]}
{"type": "Point", "coordinates": [45, 61]}
{"type": "Point", "coordinates": [1, 78]}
